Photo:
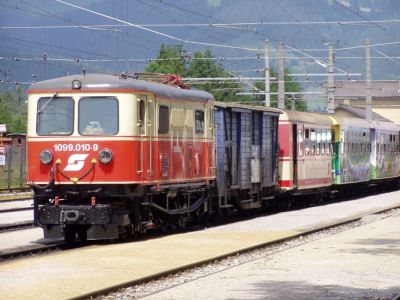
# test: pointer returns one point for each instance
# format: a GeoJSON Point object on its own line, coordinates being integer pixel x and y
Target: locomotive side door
{"type": "Point", "coordinates": [145, 124]}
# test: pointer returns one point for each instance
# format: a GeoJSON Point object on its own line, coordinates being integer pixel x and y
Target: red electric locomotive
{"type": "Point", "coordinates": [112, 155]}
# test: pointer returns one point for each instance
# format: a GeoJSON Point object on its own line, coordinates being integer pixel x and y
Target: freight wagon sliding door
{"type": "Point", "coordinates": [269, 145]}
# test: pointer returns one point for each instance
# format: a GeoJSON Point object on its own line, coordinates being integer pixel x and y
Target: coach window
{"type": "Point", "coordinates": [299, 142]}
{"type": "Point", "coordinates": [342, 143]}
{"type": "Point", "coordinates": [391, 143]}
{"type": "Point", "coordinates": [328, 141]}
{"type": "Point", "coordinates": [323, 141]}
{"type": "Point", "coordinates": [307, 140]}
{"type": "Point", "coordinates": [163, 119]}
{"type": "Point", "coordinates": [98, 116]}
{"type": "Point", "coordinates": [199, 121]}
{"type": "Point", "coordinates": [364, 142]}
{"type": "Point", "coordinates": [318, 142]}
{"type": "Point", "coordinates": [55, 116]}
{"type": "Point", "coordinates": [385, 140]}
{"type": "Point", "coordinates": [313, 141]}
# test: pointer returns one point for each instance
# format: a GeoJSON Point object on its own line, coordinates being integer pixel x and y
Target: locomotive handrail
{"type": "Point", "coordinates": [75, 179]}
{"type": "Point", "coordinates": [44, 187]}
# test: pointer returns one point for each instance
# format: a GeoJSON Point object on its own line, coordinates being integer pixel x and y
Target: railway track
{"type": "Point", "coordinates": [16, 226]}
{"type": "Point", "coordinates": [16, 214]}
{"type": "Point", "coordinates": [14, 190]}
{"type": "Point", "coordinates": [29, 251]}
{"type": "Point", "coordinates": [149, 260]}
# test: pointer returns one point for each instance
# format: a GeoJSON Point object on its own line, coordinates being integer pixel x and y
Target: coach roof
{"type": "Point", "coordinates": [104, 82]}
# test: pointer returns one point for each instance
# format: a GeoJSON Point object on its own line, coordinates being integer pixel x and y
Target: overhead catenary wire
{"type": "Point", "coordinates": [364, 18]}
{"type": "Point", "coordinates": [222, 25]}
{"type": "Point", "coordinates": [155, 31]}
{"type": "Point", "coordinates": [146, 60]}
{"type": "Point", "coordinates": [182, 40]}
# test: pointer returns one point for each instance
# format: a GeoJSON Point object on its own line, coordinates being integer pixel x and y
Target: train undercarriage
{"type": "Point", "coordinates": [94, 212]}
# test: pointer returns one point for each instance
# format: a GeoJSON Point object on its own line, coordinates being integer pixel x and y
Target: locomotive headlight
{"type": "Point", "coordinates": [105, 156]}
{"type": "Point", "coordinates": [46, 156]}
{"type": "Point", "coordinates": [76, 84]}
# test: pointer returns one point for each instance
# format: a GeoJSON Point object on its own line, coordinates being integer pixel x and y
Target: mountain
{"type": "Point", "coordinates": [46, 51]}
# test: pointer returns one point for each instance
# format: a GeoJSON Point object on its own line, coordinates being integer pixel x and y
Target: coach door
{"type": "Point", "coordinates": [146, 125]}
{"type": "Point", "coordinates": [294, 155]}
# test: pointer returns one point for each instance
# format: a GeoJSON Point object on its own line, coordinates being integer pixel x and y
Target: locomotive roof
{"type": "Point", "coordinates": [102, 82]}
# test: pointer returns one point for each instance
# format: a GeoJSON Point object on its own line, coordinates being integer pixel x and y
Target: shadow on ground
{"type": "Point", "coordinates": [381, 247]}
{"type": "Point", "coordinates": [301, 290]}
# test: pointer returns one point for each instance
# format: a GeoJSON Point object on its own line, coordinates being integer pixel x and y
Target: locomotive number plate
{"type": "Point", "coordinates": [75, 147]}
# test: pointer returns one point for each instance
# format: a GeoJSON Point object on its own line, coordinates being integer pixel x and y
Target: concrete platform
{"type": "Point", "coordinates": [362, 263]}
{"type": "Point", "coordinates": [77, 272]}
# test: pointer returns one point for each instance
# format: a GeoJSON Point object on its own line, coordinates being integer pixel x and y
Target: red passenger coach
{"type": "Point", "coordinates": [110, 156]}
{"type": "Point", "coordinates": [305, 141]}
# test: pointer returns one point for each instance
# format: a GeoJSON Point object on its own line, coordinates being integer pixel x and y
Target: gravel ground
{"type": "Point", "coordinates": [256, 256]}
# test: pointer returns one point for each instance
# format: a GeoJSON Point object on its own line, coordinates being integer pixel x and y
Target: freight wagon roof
{"type": "Point", "coordinates": [104, 82]}
{"type": "Point", "coordinates": [239, 106]}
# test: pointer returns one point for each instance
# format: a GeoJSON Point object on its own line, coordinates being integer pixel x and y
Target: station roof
{"type": "Point", "coordinates": [354, 89]}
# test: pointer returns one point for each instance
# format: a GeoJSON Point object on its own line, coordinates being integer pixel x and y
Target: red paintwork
{"type": "Point", "coordinates": [305, 182]}
{"type": "Point", "coordinates": [285, 140]}
{"type": "Point", "coordinates": [191, 161]}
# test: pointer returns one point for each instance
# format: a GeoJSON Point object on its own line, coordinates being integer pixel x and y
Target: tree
{"type": "Point", "coordinates": [173, 59]}
{"type": "Point", "coordinates": [290, 86]}
{"type": "Point", "coordinates": [13, 111]}
{"type": "Point", "coordinates": [206, 66]}
{"type": "Point", "coordinates": [170, 60]}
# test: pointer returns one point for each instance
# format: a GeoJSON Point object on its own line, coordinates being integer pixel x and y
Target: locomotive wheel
{"type": "Point", "coordinates": [182, 222]}
{"type": "Point", "coordinates": [69, 235]}
{"type": "Point", "coordinates": [125, 232]}
{"type": "Point", "coordinates": [82, 235]}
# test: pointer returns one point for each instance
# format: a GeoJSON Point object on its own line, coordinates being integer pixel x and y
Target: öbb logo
{"type": "Point", "coordinates": [76, 162]}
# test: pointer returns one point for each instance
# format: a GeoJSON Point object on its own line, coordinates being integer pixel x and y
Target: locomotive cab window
{"type": "Point", "coordinates": [98, 116]}
{"type": "Point", "coordinates": [163, 119]}
{"type": "Point", "coordinates": [55, 116]}
{"type": "Point", "coordinates": [199, 121]}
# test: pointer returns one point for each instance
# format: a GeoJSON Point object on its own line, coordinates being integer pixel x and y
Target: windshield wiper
{"type": "Point", "coordinates": [45, 105]}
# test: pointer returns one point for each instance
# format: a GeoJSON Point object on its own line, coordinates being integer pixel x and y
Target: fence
{"type": "Point", "coordinates": [13, 164]}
